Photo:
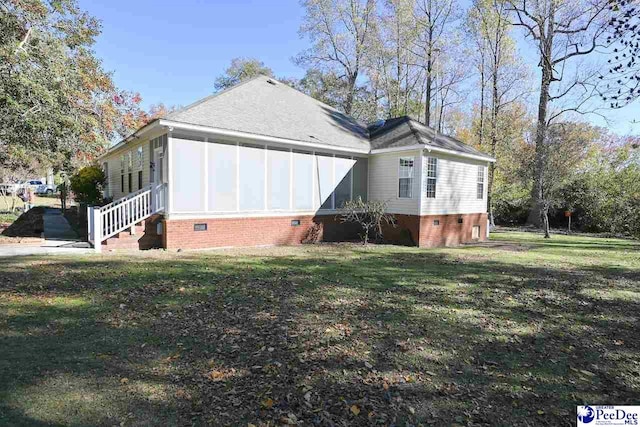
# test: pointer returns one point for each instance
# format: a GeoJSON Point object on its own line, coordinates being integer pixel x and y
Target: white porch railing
{"type": "Point", "coordinates": [124, 213]}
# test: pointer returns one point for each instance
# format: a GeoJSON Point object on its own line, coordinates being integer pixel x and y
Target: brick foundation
{"type": "Point", "coordinates": [258, 231]}
{"type": "Point", "coordinates": [450, 232]}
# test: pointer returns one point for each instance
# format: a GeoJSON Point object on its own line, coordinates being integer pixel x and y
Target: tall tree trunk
{"type": "Point", "coordinates": [351, 88]}
{"type": "Point", "coordinates": [495, 110]}
{"type": "Point", "coordinates": [482, 87]}
{"type": "Point", "coordinates": [427, 101]}
{"type": "Point", "coordinates": [541, 206]}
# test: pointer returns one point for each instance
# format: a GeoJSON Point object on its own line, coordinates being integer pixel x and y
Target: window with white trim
{"type": "Point", "coordinates": [431, 178]}
{"type": "Point", "coordinates": [130, 160]}
{"type": "Point", "coordinates": [405, 178]}
{"type": "Point", "coordinates": [139, 157]}
{"type": "Point", "coordinates": [480, 186]}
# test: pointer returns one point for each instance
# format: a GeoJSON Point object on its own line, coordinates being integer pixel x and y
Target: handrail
{"type": "Point", "coordinates": [127, 197]}
{"type": "Point", "coordinates": [109, 220]}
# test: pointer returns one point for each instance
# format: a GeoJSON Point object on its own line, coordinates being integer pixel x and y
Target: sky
{"type": "Point", "coordinates": [172, 51]}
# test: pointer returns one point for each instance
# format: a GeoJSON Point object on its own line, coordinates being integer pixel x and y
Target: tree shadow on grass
{"type": "Point", "coordinates": [342, 336]}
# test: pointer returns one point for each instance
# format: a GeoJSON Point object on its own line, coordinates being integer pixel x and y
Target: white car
{"type": "Point", "coordinates": [36, 185]}
{"type": "Point", "coordinates": [46, 189]}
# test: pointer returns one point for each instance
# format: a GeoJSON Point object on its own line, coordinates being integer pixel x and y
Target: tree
{"type": "Point", "coordinates": [501, 70]}
{"type": "Point", "coordinates": [87, 184]}
{"type": "Point", "coordinates": [371, 216]}
{"type": "Point", "coordinates": [340, 33]}
{"type": "Point", "coordinates": [624, 66]}
{"type": "Point", "coordinates": [56, 101]}
{"type": "Point", "coordinates": [435, 21]}
{"type": "Point", "coordinates": [566, 147]}
{"type": "Point", "coordinates": [391, 67]}
{"type": "Point", "coordinates": [241, 69]}
{"type": "Point", "coordinates": [562, 32]}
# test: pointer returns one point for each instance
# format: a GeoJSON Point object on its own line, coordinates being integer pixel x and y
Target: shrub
{"type": "Point", "coordinates": [371, 216]}
{"type": "Point", "coordinates": [87, 185]}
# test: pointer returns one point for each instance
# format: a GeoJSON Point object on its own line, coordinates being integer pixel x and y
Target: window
{"type": "Point", "coordinates": [480, 186]}
{"type": "Point", "coordinates": [130, 182]}
{"type": "Point", "coordinates": [122, 165]}
{"type": "Point", "coordinates": [122, 183]}
{"type": "Point", "coordinates": [105, 169]}
{"type": "Point", "coordinates": [130, 160]}
{"type": "Point", "coordinates": [431, 177]}
{"type": "Point", "coordinates": [139, 180]}
{"type": "Point", "coordinates": [436, 222]}
{"type": "Point", "coordinates": [405, 178]}
{"type": "Point", "coordinates": [139, 157]}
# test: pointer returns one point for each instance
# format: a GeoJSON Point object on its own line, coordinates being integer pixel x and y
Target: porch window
{"type": "Point", "coordinates": [139, 157]}
{"type": "Point", "coordinates": [431, 177]}
{"type": "Point", "coordinates": [480, 186]}
{"type": "Point", "coordinates": [405, 178]}
{"type": "Point", "coordinates": [139, 180]}
{"type": "Point", "coordinates": [130, 184]}
{"type": "Point", "coordinates": [122, 173]}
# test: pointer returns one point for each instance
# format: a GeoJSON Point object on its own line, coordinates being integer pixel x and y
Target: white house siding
{"type": "Point", "coordinates": [114, 170]}
{"type": "Point", "coordinates": [456, 188]}
{"type": "Point", "coordinates": [383, 181]}
{"type": "Point", "coordinates": [220, 178]}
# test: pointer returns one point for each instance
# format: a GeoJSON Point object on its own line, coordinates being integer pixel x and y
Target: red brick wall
{"type": "Point", "coordinates": [257, 231]}
{"type": "Point", "coordinates": [450, 232]}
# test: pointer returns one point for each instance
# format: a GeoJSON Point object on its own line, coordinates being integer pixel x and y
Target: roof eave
{"type": "Point", "coordinates": [435, 149]}
{"type": "Point", "coordinates": [256, 137]}
{"type": "Point", "coordinates": [134, 136]}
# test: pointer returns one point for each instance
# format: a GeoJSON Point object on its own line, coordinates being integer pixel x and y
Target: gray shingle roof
{"type": "Point", "coordinates": [265, 106]}
{"type": "Point", "coordinates": [405, 131]}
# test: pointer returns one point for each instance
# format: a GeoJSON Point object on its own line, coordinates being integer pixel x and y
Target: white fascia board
{"type": "Point", "coordinates": [432, 148]}
{"type": "Point", "coordinates": [254, 137]}
{"type": "Point", "coordinates": [134, 136]}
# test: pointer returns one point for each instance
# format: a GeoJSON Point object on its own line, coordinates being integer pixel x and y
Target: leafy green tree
{"type": "Point", "coordinates": [87, 185]}
{"type": "Point", "coordinates": [56, 101]}
{"type": "Point", "coordinates": [241, 69]}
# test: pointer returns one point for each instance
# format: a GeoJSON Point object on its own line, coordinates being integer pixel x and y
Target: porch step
{"type": "Point", "coordinates": [146, 237]}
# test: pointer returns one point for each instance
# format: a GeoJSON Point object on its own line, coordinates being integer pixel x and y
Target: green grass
{"type": "Point", "coordinates": [8, 217]}
{"type": "Point", "coordinates": [517, 332]}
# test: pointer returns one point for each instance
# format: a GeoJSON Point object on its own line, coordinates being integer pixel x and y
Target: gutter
{"type": "Point", "coordinates": [257, 137]}
{"type": "Point", "coordinates": [430, 148]}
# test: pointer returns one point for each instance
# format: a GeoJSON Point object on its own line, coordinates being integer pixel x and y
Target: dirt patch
{"type": "Point", "coordinates": [29, 224]}
{"type": "Point", "coordinates": [505, 246]}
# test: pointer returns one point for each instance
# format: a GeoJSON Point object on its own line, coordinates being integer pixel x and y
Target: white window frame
{"type": "Point", "coordinates": [409, 176]}
{"type": "Point", "coordinates": [480, 183]}
{"type": "Point", "coordinates": [140, 156]}
{"type": "Point", "coordinates": [130, 160]}
{"type": "Point", "coordinates": [428, 177]}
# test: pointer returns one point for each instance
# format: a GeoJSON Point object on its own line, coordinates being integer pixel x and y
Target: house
{"type": "Point", "coordinates": [264, 164]}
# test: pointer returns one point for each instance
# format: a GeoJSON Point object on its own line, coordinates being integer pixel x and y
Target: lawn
{"type": "Point", "coordinates": [515, 333]}
{"type": "Point", "coordinates": [52, 201]}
